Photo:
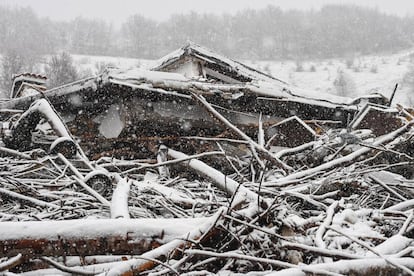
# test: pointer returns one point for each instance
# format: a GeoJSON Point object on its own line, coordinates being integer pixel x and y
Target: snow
{"type": "Point", "coordinates": [355, 226]}
{"type": "Point", "coordinates": [91, 63]}
{"type": "Point", "coordinates": [265, 89]}
{"type": "Point", "coordinates": [392, 69]}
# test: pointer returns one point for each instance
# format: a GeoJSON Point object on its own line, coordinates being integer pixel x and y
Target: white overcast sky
{"type": "Point", "coordinates": [117, 10]}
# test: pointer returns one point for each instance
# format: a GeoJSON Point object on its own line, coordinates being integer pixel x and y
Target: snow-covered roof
{"type": "Point", "coordinates": [204, 54]}
{"type": "Point", "coordinates": [275, 90]}
{"type": "Point", "coordinates": [36, 77]}
{"type": "Point", "coordinates": [140, 75]}
{"type": "Point", "coordinates": [138, 78]}
{"type": "Point", "coordinates": [261, 83]}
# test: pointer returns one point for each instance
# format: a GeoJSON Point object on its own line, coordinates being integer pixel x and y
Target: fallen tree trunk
{"type": "Point", "coordinates": [90, 237]}
{"type": "Point", "coordinates": [230, 186]}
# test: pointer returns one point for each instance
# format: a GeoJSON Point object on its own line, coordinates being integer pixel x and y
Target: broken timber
{"type": "Point", "coordinates": [89, 237]}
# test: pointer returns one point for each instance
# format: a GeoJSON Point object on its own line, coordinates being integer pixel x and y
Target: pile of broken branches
{"type": "Point", "coordinates": [340, 205]}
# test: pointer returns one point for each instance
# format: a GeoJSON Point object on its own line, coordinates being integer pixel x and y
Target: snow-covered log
{"type": "Point", "coordinates": [119, 202]}
{"type": "Point", "coordinates": [323, 227]}
{"type": "Point", "coordinates": [90, 236]}
{"type": "Point", "coordinates": [225, 183]}
{"type": "Point", "coordinates": [21, 130]}
{"type": "Point", "coordinates": [393, 245]}
{"type": "Point", "coordinates": [11, 262]}
{"type": "Point", "coordinates": [402, 206]}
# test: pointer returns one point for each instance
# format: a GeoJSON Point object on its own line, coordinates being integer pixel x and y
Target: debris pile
{"type": "Point", "coordinates": [300, 196]}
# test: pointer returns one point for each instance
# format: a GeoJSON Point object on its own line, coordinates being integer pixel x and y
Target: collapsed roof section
{"type": "Point", "coordinates": [210, 65]}
{"type": "Point", "coordinates": [26, 84]}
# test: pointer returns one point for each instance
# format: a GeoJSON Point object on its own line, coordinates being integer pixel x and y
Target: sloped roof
{"type": "Point", "coordinates": [191, 49]}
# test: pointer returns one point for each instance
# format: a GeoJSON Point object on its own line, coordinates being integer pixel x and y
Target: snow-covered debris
{"type": "Point", "coordinates": [189, 182]}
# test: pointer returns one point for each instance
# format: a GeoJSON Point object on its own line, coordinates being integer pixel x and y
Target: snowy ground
{"type": "Point", "coordinates": [369, 74]}
{"type": "Point", "coordinates": [95, 63]}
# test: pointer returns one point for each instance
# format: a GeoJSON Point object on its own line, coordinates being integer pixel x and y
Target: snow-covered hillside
{"type": "Point", "coordinates": [368, 74]}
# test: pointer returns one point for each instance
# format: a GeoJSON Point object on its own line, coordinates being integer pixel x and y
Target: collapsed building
{"type": "Point", "coordinates": [129, 111]}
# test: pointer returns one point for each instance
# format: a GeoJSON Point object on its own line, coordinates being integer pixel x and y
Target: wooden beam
{"type": "Point", "coordinates": [86, 237]}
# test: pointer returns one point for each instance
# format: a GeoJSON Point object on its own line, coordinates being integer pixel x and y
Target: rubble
{"type": "Point", "coordinates": [230, 172]}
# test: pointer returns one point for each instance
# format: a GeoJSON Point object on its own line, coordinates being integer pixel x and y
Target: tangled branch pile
{"type": "Point", "coordinates": [342, 204]}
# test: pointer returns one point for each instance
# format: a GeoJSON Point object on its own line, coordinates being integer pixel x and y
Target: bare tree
{"type": "Point", "coordinates": [344, 84]}
{"type": "Point", "coordinates": [23, 41]}
{"type": "Point", "coordinates": [61, 70]}
{"type": "Point", "coordinates": [15, 61]}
